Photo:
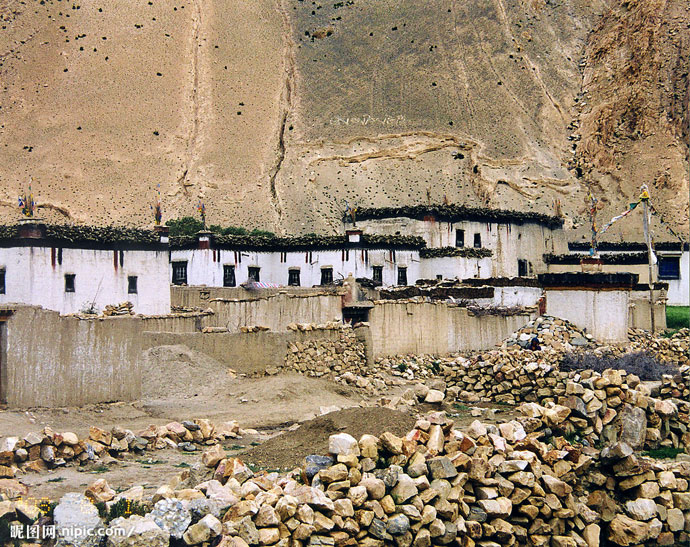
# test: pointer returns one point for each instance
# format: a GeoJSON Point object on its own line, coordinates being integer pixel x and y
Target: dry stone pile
{"type": "Point", "coordinates": [50, 449]}
{"type": "Point", "coordinates": [484, 486]}
{"type": "Point", "coordinates": [327, 357]}
{"type": "Point", "coordinates": [559, 334]}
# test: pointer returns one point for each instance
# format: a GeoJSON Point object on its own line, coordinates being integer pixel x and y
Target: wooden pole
{"type": "Point", "coordinates": [648, 237]}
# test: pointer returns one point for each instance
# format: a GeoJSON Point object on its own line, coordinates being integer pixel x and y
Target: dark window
{"type": "Point", "coordinates": [377, 274]}
{"type": "Point", "coordinates": [69, 282]}
{"type": "Point", "coordinates": [477, 240]}
{"type": "Point", "coordinates": [402, 275]}
{"type": "Point", "coordinates": [326, 276]}
{"type": "Point", "coordinates": [293, 278]}
{"type": "Point", "coordinates": [132, 284]}
{"type": "Point", "coordinates": [229, 275]}
{"type": "Point", "coordinates": [669, 267]}
{"type": "Point", "coordinates": [439, 277]}
{"type": "Point", "coordinates": [179, 275]}
{"type": "Point", "coordinates": [522, 268]}
{"type": "Point", "coordinates": [254, 274]}
{"type": "Point", "coordinates": [459, 238]}
{"type": "Point", "coordinates": [2, 281]}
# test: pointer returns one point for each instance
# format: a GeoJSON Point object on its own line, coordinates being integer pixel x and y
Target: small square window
{"type": "Point", "coordinates": [132, 284]}
{"type": "Point", "coordinates": [669, 267]}
{"type": "Point", "coordinates": [459, 238]}
{"type": "Point", "coordinates": [477, 241]}
{"type": "Point", "coordinates": [229, 275]}
{"type": "Point", "coordinates": [377, 274]}
{"type": "Point", "coordinates": [254, 274]}
{"type": "Point", "coordinates": [69, 282]}
{"type": "Point", "coordinates": [522, 268]}
{"type": "Point", "coordinates": [326, 276]}
{"type": "Point", "coordinates": [179, 273]}
{"type": "Point", "coordinates": [402, 275]}
{"type": "Point", "coordinates": [293, 278]}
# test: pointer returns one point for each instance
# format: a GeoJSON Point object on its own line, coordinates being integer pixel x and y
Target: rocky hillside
{"type": "Point", "coordinates": [275, 112]}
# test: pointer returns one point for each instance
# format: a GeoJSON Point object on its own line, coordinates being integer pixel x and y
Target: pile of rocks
{"type": "Point", "coordinates": [552, 332]}
{"type": "Point", "coordinates": [328, 357]}
{"type": "Point", "coordinates": [125, 308]}
{"type": "Point", "coordinates": [49, 449]}
{"type": "Point", "coordinates": [486, 486]}
{"type": "Point", "coordinates": [674, 350]}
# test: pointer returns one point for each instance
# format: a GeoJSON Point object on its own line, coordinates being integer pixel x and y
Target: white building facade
{"type": "Point", "coordinates": [227, 261]}
{"type": "Point", "coordinates": [672, 267]}
{"type": "Point", "coordinates": [73, 270]}
{"type": "Point", "coordinates": [517, 241]}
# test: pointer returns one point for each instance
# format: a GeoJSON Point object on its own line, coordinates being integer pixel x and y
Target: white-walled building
{"type": "Point", "coordinates": [517, 241]}
{"type": "Point", "coordinates": [70, 269]}
{"type": "Point", "coordinates": [673, 264]}
{"type": "Point", "coordinates": [228, 261]}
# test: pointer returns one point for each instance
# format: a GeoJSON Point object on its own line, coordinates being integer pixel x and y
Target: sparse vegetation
{"type": "Point", "coordinates": [663, 453]}
{"type": "Point", "coordinates": [189, 226]}
{"type": "Point", "coordinates": [677, 317]}
{"type": "Point", "coordinates": [642, 364]}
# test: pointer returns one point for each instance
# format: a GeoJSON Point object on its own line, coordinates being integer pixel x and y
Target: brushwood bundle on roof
{"type": "Point", "coordinates": [629, 246]}
{"type": "Point", "coordinates": [302, 243]}
{"type": "Point", "coordinates": [465, 252]}
{"type": "Point", "coordinates": [619, 258]}
{"type": "Point", "coordinates": [455, 213]}
{"type": "Point", "coordinates": [66, 235]}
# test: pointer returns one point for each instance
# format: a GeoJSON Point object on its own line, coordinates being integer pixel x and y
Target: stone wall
{"type": "Point", "coordinates": [329, 356]}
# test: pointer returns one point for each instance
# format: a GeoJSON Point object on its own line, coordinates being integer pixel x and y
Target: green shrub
{"type": "Point", "coordinates": [185, 226]}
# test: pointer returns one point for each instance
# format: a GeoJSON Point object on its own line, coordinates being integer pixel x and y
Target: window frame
{"type": "Point", "coordinates": [292, 272]}
{"type": "Point", "coordinates": [70, 282]}
{"type": "Point", "coordinates": [330, 274]}
{"type": "Point", "coordinates": [251, 270]}
{"type": "Point", "coordinates": [477, 243]}
{"type": "Point", "coordinates": [377, 274]}
{"type": "Point", "coordinates": [402, 273]}
{"type": "Point", "coordinates": [180, 264]}
{"type": "Point", "coordinates": [461, 233]}
{"type": "Point", "coordinates": [233, 271]}
{"type": "Point", "coordinates": [522, 264]}
{"type": "Point", "coordinates": [131, 286]}
{"type": "Point", "coordinates": [669, 259]}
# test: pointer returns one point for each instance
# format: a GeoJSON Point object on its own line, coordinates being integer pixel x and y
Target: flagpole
{"type": "Point", "coordinates": [645, 222]}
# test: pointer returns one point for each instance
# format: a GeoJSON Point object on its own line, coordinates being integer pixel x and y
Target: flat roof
{"type": "Point", "coordinates": [454, 213]}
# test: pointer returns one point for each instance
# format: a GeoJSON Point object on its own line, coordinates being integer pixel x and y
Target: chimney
{"type": "Point", "coordinates": [354, 236]}
{"type": "Point", "coordinates": [204, 238]}
{"type": "Point", "coordinates": [31, 228]}
{"type": "Point", "coordinates": [163, 233]}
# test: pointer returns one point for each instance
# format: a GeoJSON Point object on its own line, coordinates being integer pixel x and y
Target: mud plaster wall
{"type": "Point", "coordinates": [250, 353]}
{"type": "Point", "coordinates": [421, 327]}
{"type": "Point", "coordinates": [603, 313]}
{"type": "Point", "coordinates": [65, 361]}
{"type": "Point", "coordinates": [277, 311]}
{"type": "Point", "coordinates": [639, 308]}
{"type": "Point", "coordinates": [201, 296]}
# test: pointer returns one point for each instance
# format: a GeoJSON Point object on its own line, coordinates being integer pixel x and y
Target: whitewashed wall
{"type": "Point", "coordinates": [203, 270]}
{"type": "Point", "coordinates": [31, 278]}
{"type": "Point", "coordinates": [679, 289]}
{"type": "Point", "coordinates": [455, 266]}
{"type": "Point", "coordinates": [508, 241]}
{"type": "Point", "coordinates": [516, 296]}
{"type": "Point", "coordinates": [603, 313]}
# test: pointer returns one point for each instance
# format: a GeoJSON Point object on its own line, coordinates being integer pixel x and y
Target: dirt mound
{"type": "Point", "coordinates": [289, 449]}
{"type": "Point", "coordinates": [179, 372]}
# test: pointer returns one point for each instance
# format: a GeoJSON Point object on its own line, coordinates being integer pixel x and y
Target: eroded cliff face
{"type": "Point", "coordinates": [275, 112]}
